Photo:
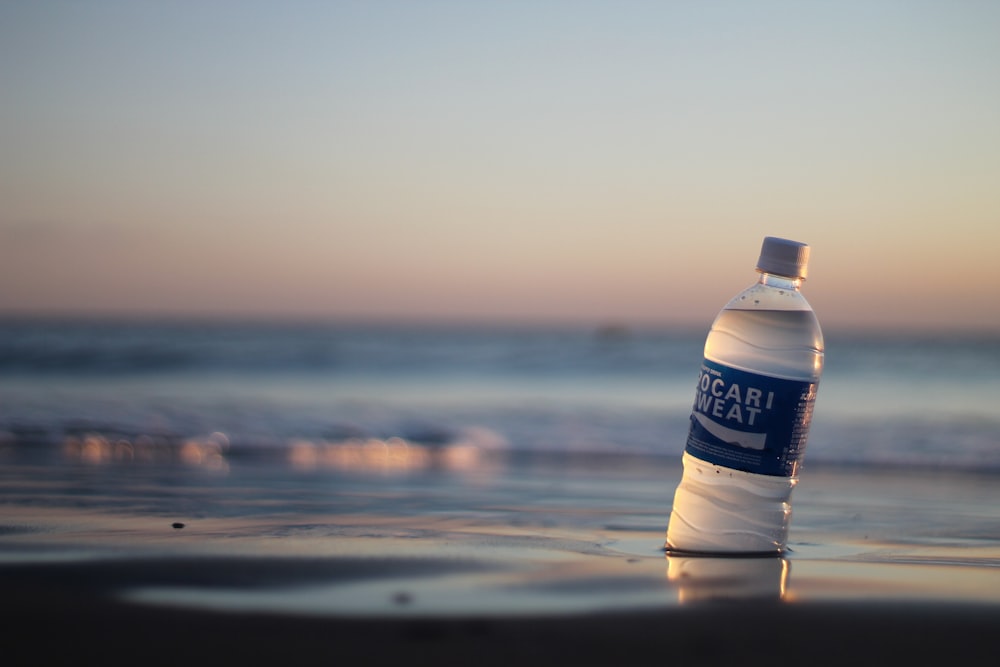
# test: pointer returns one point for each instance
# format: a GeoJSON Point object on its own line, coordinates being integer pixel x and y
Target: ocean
{"type": "Point", "coordinates": [409, 396]}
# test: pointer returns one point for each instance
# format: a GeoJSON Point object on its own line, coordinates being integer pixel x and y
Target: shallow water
{"type": "Point", "coordinates": [515, 535]}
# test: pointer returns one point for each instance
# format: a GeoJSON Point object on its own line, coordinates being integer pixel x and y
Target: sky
{"type": "Point", "coordinates": [499, 162]}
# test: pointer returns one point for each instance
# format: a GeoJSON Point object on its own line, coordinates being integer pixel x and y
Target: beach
{"type": "Point", "coordinates": [519, 558]}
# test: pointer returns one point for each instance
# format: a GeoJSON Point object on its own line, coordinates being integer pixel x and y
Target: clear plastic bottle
{"type": "Point", "coordinates": [751, 415]}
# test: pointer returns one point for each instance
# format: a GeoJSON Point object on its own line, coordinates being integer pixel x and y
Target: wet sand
{"type": "Point", "coordinates": [94, 630]}
{"type": "Point", "coordinates": [512, 562]}
{"type": "Point", "coordinates": [75, 613]}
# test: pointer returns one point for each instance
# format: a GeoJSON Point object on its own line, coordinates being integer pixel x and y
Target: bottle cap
{"type": "Point", "coordinates": [783, 257]}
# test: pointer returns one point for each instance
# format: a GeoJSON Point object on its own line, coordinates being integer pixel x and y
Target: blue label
{"type": "Point", "coordinates": [750, 422]}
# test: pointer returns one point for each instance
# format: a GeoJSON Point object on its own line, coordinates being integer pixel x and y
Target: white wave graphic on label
{"type": "Point", "coordinates": [730, 435]}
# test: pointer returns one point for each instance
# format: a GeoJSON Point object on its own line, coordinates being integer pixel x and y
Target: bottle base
{"type": "Point", "coordinates": [719, 510]}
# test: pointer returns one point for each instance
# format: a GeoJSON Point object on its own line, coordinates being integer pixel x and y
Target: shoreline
{"type": "Point", "coordinates": [537, 561]}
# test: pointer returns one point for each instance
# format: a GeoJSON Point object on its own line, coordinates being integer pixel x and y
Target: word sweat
{"type": "Point", "coordinates": [730, 401]}
{"type": "Point", "coordinates": [748, 421]}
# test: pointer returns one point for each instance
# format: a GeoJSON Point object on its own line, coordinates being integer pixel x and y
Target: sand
{"type": "Point", "coordinates": [520, 561]}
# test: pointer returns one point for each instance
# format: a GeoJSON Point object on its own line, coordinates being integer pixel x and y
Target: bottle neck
{"type": "Point", "coordinates": [779, 282]}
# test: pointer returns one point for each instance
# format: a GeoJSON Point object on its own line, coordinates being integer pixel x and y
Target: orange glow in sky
{"type": "Point", "coordinates": [555, 161]}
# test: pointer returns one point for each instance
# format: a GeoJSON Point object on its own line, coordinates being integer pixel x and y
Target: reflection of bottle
{"type": "Point", "coordinates": [751, 415]}
{"type": "Point", "coordinates": [715, 578]}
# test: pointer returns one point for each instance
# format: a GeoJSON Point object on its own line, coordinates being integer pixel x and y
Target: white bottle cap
{"type": "Point", "coordinates": [783, 257]}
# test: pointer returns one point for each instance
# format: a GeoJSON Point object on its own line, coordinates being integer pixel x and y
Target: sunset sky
{"type": "Point", "coordinates": [519, 161]}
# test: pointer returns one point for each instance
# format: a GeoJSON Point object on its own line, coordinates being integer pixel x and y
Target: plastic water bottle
{"type": "Point", "coordinates": [753, 406]}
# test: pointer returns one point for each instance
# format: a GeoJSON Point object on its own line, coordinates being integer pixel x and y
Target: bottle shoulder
{"type": "Point", "coordinates": [767, 297]}
{"type": "Point", "coordinates": [767, 332]}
